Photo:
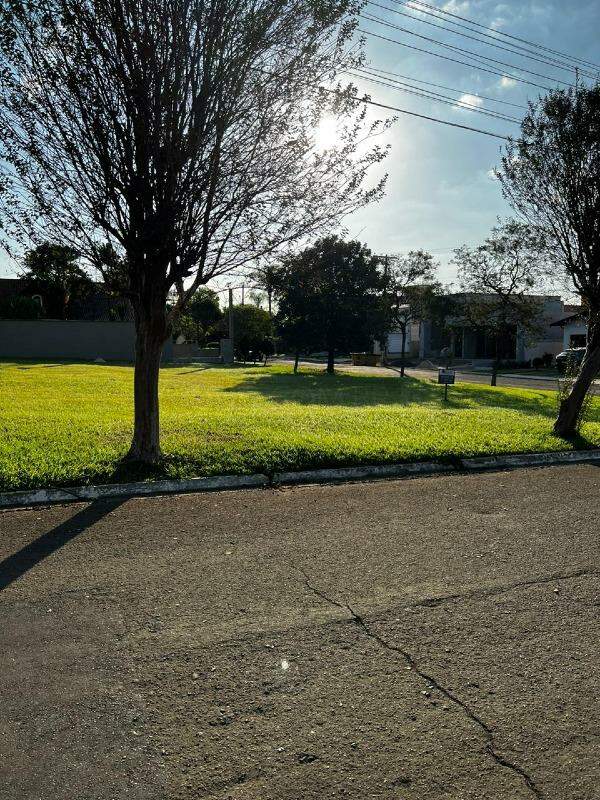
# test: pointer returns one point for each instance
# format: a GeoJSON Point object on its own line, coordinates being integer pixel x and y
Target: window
{"type": "Point", "coordinates": [577, 340]}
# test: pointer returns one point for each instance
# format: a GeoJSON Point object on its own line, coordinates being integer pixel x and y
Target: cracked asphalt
{"type": "Point", "coordinates": [425, 639]}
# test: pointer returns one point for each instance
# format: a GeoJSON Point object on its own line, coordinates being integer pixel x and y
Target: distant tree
{"type": "Point", "coordinates": [54, 271]}
{"type": "Point", "coordinates": [411, 288]}
{"type": "Point", "coordinates": [496, 279]}
{"type": "Point", "coordinates": [204, 311]}
{"type": "Point", "coordinates": [299, 331]}
{"type": "Point", "coordinates": [253, 332]}
{"type": "Point", "coordinates": [18, 306]}
{"type": "Point", "coordinates": [551, 177]}
{"type": "Point", "coordinates": [173, 141]}
{"type": "Point", "coordinates": [264, 278]}
{"type": "Point", "coordinates": [331, 296]}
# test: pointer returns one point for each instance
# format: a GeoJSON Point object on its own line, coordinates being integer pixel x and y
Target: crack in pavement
{"type": "Point", "coordinates": [431, 602]}
{"type": "Point", "coordinates": [490, 746]}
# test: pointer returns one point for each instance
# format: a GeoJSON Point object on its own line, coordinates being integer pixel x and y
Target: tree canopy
{"type": "Point", "coordinates": [330, 297]}
{"type": "Point", "coordinates": [173, 141]}
{"type": "Point", "coordinates": [550, 174]}
{"type": "Point", "coordinates": [55, 271]}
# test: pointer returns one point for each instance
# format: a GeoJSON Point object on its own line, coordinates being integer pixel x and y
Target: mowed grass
{"type": "Point", "coordinates": [69, 424]}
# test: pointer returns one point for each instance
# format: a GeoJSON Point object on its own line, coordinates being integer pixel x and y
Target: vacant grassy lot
{"type": "Point", "coordinates": [67, 424]}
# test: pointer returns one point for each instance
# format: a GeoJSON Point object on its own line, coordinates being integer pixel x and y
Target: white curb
{"type": "Point", "coordinates": [216, 483]}
{"type": "Point", "coordinates": [257, 481]}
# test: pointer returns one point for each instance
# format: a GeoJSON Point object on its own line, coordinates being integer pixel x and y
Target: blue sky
{"type": "Point", "coordinates": [440, 192]}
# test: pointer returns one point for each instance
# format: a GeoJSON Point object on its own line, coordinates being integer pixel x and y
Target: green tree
{"type": "Point", "coordinates": [54, 271]}
{"type": "Point", "coordinates": [204, 311]}
{"type": "Point", "coordinates": [173, 141]}
{"type": "Point", "coordinates": [18, 306]}
{"type": "Point", "coordinates": [551, 176]}
{"type": "Point", "coordinates": [253, 332]}
{"type": "Point", "coordinates": [332, 294]}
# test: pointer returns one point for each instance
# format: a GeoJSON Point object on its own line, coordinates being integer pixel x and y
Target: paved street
{"type": "Point", "coordinates": [467, 376]}
{"type": "Point", "coordinates": [426, 639]}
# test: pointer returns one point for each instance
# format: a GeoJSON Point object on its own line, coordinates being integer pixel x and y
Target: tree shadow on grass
{"type": "Point", "coordinates": [317, 388]}
{"type": "Point", "coordinates": [18, 564]}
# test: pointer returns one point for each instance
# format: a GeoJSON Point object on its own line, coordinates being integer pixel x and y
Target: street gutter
{"type": "Point", "coordinates": [220, 483]}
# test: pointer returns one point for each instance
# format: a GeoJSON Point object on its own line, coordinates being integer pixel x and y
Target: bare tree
{"type": "Point", "coordinates": [497, 278]}
{"type": "Point", "coordinates": [172, 141]}
{"type": "Point", "coordinates": [551, 176]}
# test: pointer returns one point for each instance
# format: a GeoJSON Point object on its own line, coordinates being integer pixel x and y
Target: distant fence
{"type": "Point", "coordinates": [70, 339]}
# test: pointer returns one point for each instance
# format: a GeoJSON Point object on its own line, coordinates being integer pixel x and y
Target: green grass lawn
{"type": "Point", "coordinates": [67, 424]}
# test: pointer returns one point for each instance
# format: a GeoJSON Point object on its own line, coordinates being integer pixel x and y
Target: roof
{"type": "Point", "coordinates": [560, 323]}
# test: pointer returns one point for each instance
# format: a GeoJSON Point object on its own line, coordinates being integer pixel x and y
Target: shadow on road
{"type": "Point", "coordinates": [15, 566]}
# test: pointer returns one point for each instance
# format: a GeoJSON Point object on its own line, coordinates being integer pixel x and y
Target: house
{"type": "Point", "coordinates": [573, 327]}
{"type": "Point", "coordinates": [427, 338]}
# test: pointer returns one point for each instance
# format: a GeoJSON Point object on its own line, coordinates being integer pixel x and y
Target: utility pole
{"type": "Point", "coordinates": [231, 316]}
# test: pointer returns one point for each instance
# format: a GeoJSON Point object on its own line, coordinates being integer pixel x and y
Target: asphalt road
{"type": "Point", "coordinates": [515, 381]}
{"type": "Point", "coordinates": [434, 638]}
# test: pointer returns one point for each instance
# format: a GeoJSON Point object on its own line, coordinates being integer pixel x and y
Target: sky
{"type": "Point", "coordinates": [441, 192]}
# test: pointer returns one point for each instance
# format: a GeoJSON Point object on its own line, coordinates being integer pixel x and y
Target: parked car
{"type": "Point", "coordinates": [570, 358]}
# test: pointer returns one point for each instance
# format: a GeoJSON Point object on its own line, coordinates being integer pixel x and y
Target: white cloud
{"type": "Point", "coordinates": [457, 6]}
{"type": "Point", "coordinates": [468, 100]}
{"type": "Point", "coordinates": [507, 83]}
{"type": "Point", "coordinates": [491, 174]}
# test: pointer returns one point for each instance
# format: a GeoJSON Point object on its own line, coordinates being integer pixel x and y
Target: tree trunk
{"type": "Point", "coordinates": [297, 358]}
{"type": "Point", "coordinates": [570, 408]}
{"type": "Point", "coordinates": [149, 339]}
{"type": "Point", "coordinates": [494, 380]}
{"type": "Point", "coordinates": [330, 362]}
{"type": "Point", "coordinates": [403, 352]}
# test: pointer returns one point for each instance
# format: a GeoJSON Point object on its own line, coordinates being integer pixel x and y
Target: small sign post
{"type": "Point", "coordinates": [446, 377]}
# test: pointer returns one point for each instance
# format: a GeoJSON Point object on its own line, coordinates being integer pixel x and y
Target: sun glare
{"type": "Point", "coordinates": [326, 133]}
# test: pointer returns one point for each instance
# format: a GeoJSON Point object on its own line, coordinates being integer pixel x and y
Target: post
{"type": "Point", "coordinates": [231, 331]}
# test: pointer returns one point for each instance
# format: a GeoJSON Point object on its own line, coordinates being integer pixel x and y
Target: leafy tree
{"type": "Point", "coordinates": [496, 279]}
{"type": "Point", "coordinates": [173, 141]}
{"type": "Point", "coordinates": [253, 332]}
{"type": "Point", "coordinates": [551, 177]}
{"type": "Point", "coordinates": [264, 277]}
{"type": "Point", "coordinates": [18, 306]}
{"type": "Point", "coordinates": [299, 331]}
{"type": "Point", "coordinates": [54, 270]}
{"type": "Point", "coordinates": [410, 291]}
{"type": "Point", "coordinates": [331, 296]}
{"type": "Point", "coordinates": [204, 311]}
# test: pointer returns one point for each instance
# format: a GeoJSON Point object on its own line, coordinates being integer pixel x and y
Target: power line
{"type": "Point", "coordinates": [493, 40]}
{"type": "Point", "coordinates": [369, 102]}
{"type": "Point", "coordinates": [463, 50]}
{"type": "Point", "coordinates": [454, 60]}
{"type": "Point", "coordinates": [524, 53]}
{"type": "Point", "coordinates": [439, 11]}
{"type": "Point", "coordinates": [447, 88]}
{"type": "Point", "coordinates": [418, 92]}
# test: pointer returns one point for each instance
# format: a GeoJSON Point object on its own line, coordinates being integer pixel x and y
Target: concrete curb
{"type": "Point", "coordinates": [138, 489]}
{"type": "Point", "coordinates": [530, 459]}
{"type": "Point", "coordinates": [359, 473]}
{"type": "Point", "coordinates": [257, 481]}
